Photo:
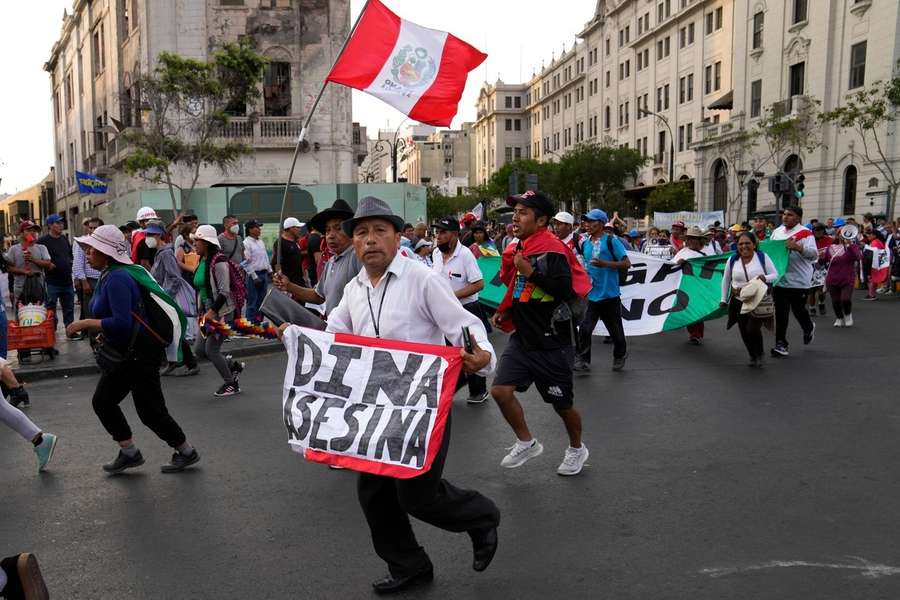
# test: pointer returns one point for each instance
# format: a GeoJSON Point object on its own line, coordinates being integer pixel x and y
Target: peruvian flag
{"type": "Point", "coordinates": [880, 262]}
{"type": "Point", "coordinates": [419, 71]}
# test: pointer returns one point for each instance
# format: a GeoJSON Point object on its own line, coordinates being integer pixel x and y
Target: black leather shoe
{"type": "Point", "coordinates": [392, 585]}
{"type": "Point", "coordinates": [484, 546]}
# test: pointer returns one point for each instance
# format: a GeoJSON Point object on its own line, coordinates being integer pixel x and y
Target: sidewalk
{"type": "Point", "coordinates": [76, 358]}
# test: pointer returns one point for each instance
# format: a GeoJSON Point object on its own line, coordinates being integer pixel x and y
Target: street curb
{"type": "Point", "coordinates": [45, 372]}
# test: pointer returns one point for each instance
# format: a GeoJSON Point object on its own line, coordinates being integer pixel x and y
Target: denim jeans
{"type": "Point", "coordinates": [255, 295]}
{"type": "Point", "coordinates": [65, 294]}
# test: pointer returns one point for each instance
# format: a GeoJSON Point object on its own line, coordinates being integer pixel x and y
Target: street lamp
{"type": "Point", "coordinates": [395, 146]}
{"type": "Point", "coordinates": [644, 111]}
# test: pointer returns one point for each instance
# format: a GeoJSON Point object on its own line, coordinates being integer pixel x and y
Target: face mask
{"type": "Point", "coordinates": [445, 247]}
{"type": "Point", "coordinates": [235, 229]}
{"type": "Point", "coordinates": [151, 242]}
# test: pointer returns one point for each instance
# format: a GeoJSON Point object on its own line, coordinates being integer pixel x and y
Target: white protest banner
{"type": "Point", "coordinates": [371, 405]}
{"type": "Point", "coordinates": [703, 220]}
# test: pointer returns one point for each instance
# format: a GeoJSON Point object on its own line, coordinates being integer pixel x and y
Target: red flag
{"type": "Point", "coordinates": [419, 71]}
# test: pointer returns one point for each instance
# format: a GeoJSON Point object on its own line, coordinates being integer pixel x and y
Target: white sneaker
{"type": "Point", "coordinates": [848, 320]}
{"type": "Point", "coordinates": [573, 461]}
{"type": "Point", "coordinates": [519, 455]}
{"type": "Point", "coordinates": [839, 322]}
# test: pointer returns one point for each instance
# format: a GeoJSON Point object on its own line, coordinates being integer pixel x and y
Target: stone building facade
{"type": "Point", "coordinates": [105, 46]}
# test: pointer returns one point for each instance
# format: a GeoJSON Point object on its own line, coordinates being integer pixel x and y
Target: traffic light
{"type": "Point", "coordinates": [799, 186]}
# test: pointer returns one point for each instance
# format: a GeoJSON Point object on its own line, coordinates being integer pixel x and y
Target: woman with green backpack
{"type": "Point", "coordinates": [220, 289]}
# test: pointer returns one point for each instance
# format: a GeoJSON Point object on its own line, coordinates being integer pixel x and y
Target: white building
{"type": "Point", "coordinates": [105, 46]}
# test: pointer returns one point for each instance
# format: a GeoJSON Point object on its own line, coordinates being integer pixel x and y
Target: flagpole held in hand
{"type": "Point", "coordinates": [302, 139]}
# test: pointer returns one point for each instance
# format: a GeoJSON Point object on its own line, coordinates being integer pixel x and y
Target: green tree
{"type": "Point", "coordinates": [547, 174]}
{"type": "Point", "coordinates": [781, 135]}
{"type": "Point", "coordinates": [671, 197]}
{"type": "Point", "coordinates": [189, 103]}
{"type": "Point", "coordinates": [595, 174]}
{"type": "Point", "coordinates": [438, 205]}
{"type": "Point", "coordinates": [736, 149]}
{"type": "Point", "coordinates": [868, 112]}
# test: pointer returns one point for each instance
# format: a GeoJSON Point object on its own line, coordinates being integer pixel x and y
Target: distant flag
{"type": "Point", "coordinates": [90, 184]}
{"type": "Point", "coordinates": [478, 211]}
{"type": "Point", "coordinates": [419, 71]}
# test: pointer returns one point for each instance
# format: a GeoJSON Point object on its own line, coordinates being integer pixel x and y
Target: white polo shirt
{"type": "Point", "coordinates": [461, 270]}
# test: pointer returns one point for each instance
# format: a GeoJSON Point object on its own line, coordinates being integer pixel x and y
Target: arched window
{"type": "Point", "coordinates": [850, 191]}
{"type": "Point", "coordinates": [720, 185]}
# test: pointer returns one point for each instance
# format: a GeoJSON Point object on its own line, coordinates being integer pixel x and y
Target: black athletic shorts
{"type": "Point", "coordinates": [549, 370]}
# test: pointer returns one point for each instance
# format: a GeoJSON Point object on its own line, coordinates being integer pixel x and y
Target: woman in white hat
{"type": "Point", "coordinates": [220, 297]}
{"type": "Point", "coordinates": [751, 311]}
{"type": "Point", "coordinates": [694, 241]}
{"type": "Point", "coordinates": [128, 357]}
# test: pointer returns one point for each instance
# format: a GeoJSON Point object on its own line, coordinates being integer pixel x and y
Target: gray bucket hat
{"type": "Point", "coordinates": [371, 207]}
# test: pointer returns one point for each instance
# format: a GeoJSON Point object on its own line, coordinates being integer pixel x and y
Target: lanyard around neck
{"type": "Point", "coordinates": [376, 322]}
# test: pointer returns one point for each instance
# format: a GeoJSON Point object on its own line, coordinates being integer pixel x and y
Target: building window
{"type": "Point", "coordinates": [517, 152]}
{"type": "Point", "coordinates": [681, 138]}
{"type": "Point", "coordinates": [690, 87]}
{"type": "Point", "coordinates": [277, 89]}
{"type": "Point", "coordinates": [707, 79]}
{"type": "Point", "coordinates": [799, 11]}
{"type": "Point", "coordinates": [607, 79]}
{"type": "Point", "coordinates": [517, 101]}
{"type": "Point", "coordinates": [720, 186]}
{"type": "Point", "coordinates": [606, 118]}
{"type": "Point", "coordinates": [508, 101]}
{"type": "Point", "coordinates": [231, 2]}
{"type": "Point", "coordinates": [850, 190]}
{"type": "Point", "coordinates": [508, 124]}
{"type": "Point", "coordinates": [607, 46]}
{"type": "Point", "coordinates": [690, 135]}
{"type": "Point", "coordinates": [70, 91]}
{"type": "Point", "coordinates": [517, 125]}
{"type": "Point", "coordinates": [857, 65]}
{"type": "Point", "coordinates": [755, 98]}
{"type": "Point", "coordinates": [717, 82]}
{"type": "Point", "coordinates": [56, 105]}
{"type": "Point", "coordinates": [508, 154]}
{"type": "Point", "coordinates": [659, 102]}
{"type": "Point", "coordinates": [797, 76]}
{"type": "Point", "coordinates": [666, 96]}
{"type": "Point", "coordinates": [758, 20]}
{"type": "Point", "coordinates": [709, 23]}
{"type": "Point", "coordinates": [690, 33]}
{"type": "Point", "coordinates": [99, 59]}
{"type": "Point", "coordinates": [275, 4]}
{"type": "Point", "coordinates": [720, 13]}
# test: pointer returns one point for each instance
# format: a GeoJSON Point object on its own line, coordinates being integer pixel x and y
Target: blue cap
{"type": "Point", "coordinates": [54, 219]}
{"type": "Point", "coordinates": [154, 229]}
{"type": "Point", "coordinates": [634, 233]}
{"type": "Point", "coordinates": [809, 226]}
{"type": "Point", "coordinates": [839, 222]}
{"type": "Point", "coordinates": [595, 214]}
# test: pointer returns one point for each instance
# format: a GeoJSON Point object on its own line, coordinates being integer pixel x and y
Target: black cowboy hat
{"type": "Point", "coordinates": [339, 210]}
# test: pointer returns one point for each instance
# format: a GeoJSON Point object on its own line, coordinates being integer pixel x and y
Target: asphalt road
{"type": "Point", "coordinates": [706, 480]}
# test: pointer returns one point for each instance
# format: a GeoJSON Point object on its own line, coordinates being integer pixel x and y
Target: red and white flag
{"type": "Point", "coordinates": [881, 264]}
{"type": "Point", "coordinates": [419, 71]}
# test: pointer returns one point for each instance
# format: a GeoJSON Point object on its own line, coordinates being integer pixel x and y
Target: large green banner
{"type": "Point", "coordinates": [658, 295]}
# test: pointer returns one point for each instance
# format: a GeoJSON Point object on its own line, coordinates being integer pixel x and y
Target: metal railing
{"type": "Point", "coordinates": [262, 129]}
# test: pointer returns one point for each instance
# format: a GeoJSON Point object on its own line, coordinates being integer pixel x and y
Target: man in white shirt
{"type": "Point", "coordinates": [401, 299]}
{"type": "Point", "coordinates": [694, 240]}
{"type": "Point", "coordinates": [458, 266]}
{"type": "Point", "coordinates": [256, 265]}
{"type": "Point", "coordinates": [790, 292]}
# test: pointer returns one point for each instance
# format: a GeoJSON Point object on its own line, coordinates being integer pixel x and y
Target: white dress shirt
{"type": "Point", "coordinates": [461, 270]}
{"type": "Point", "coordinates": [737, 274]}
{"type": "Point", "coordinates": [255, 256]}
{"type": "Point", "coordinates": [418, 306]}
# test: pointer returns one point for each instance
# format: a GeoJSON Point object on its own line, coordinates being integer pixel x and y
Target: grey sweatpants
{"type": "Point", "coordinates": [211, 348]}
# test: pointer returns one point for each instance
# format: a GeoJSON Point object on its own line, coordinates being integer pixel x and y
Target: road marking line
{"type": "Point", "coordinates": [865, 567]}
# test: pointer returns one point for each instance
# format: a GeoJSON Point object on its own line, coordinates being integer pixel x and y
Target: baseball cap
{"type": "Point", "coordinates": [54, 219]}
{"type": "Point", "coordinates": [678, 224]}
{"type": "Point", "coordinates": [422, 244]}
{"type": "Point", "coordinates": [154, 229]}
{"type": "Point", "coordinates": [634, 233]}
{"type": "Point", "coordinates": [535, 200]}
{"type": "Point", "coordinates": [839, 222]}
{"type": "Point", "coordinates": [252, 223]}
{"type": "Point", "coordinates": [595, 214]}
{"type": "Point", "coordinates": [291, 222]}
{"type": "Point", "coordinates": [564, 217]}
{"type": "Point", "coordinates": [26, 225]}
{"type": "Point", "coordinates": [447, 224]}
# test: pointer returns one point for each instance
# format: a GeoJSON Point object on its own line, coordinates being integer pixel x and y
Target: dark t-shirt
{"type": "Point", "coordinates": [536, 299]}
{"type": "Point", "coordinates": [313, 245]}
{"type": "Point", "coordinates": [61, 257]}
{"type": "Point", "coordinates": [291, 261]}
{"type": "Point", "coordinates": [145, 252]}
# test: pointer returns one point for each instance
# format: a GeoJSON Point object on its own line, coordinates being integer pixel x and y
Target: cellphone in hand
{"type": "Point", "coordinates": [467, 340]}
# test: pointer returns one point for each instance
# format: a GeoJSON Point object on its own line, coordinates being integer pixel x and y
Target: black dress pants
{"type": "Point", "coordinates": [388, 503]}
{"type": "Point", "coordinates": [477, 384]}
{"type": "Point", "coordinates": [787, 301]}
{"type": "Point", "coordinates": [141, 379]}
{"type": "Point", "coordinates": [608, 310]}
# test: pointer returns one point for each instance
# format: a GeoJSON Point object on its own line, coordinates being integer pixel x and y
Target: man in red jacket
{"type": "Point", "coordinates": [541, 275]}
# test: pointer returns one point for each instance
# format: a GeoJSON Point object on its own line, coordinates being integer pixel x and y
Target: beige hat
{"type": "Point", "coordinates": [110, 241]}
{"type": "Point", "coordinates": [207, 233]}
{"type": "Point", "coordinates": [694, 232]}
{"type": "Point", "coordinates": [565, 217]}
{"type": "Point", "coordinates": [752, 294]}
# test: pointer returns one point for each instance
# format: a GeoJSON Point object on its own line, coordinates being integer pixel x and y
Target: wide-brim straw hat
{"type": "Point", "coordinates": [110, 241]}
{"type": "Point", "coordinates": [339, 210]}
{"type": "Point", "coordinates": [751, 295]}
{"type": "Point", "coordinates": [694, 232]}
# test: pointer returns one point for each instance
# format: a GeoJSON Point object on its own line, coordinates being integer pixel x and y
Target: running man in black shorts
{"type": "Point", "coordinates": [541, 351]}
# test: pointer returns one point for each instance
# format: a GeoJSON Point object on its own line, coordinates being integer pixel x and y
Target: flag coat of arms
{"type": "Point", "coordinates": [419, 71]}
{"type": "Point", "coordinates": [372, 405]}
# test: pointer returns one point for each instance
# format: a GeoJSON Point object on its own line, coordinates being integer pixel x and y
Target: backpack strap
{"type": "Point", "coordinates": [762, 261]}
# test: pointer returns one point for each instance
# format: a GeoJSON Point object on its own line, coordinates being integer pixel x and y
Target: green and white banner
{"type": "Point", "coordinates": [658, 295]}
